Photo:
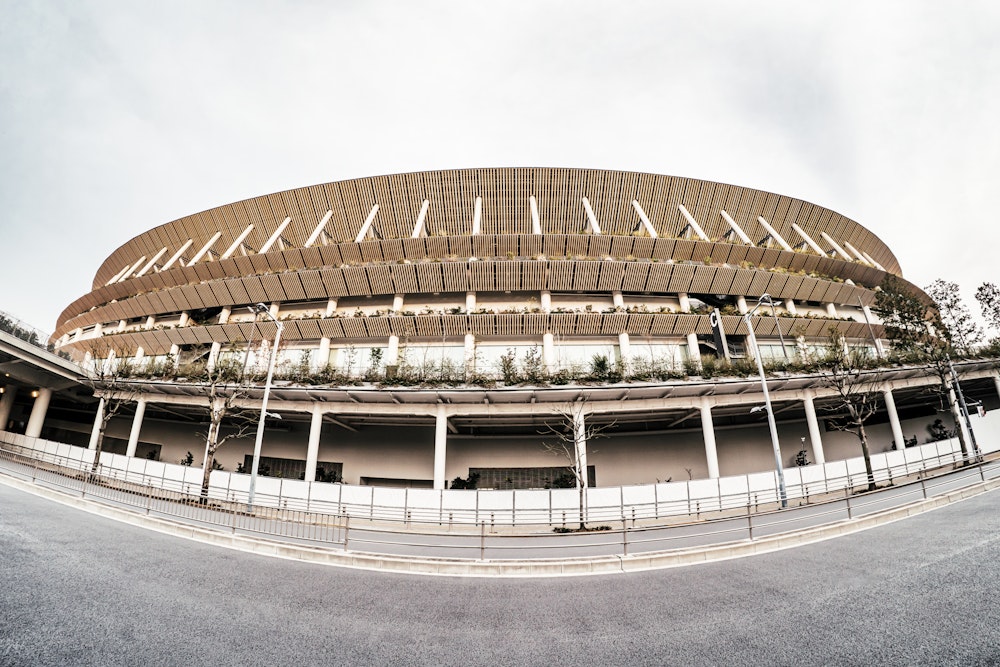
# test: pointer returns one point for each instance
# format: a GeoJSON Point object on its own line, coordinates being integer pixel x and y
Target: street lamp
{"type": "Point", "coordinates": [765, 299]}
{"type": "Point", "coordinates": [262, 309]}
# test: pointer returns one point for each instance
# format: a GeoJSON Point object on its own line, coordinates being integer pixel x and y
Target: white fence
{"type": "Point", "coordinates": [510, 507]}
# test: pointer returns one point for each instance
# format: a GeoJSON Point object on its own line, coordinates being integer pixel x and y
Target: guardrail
{"type": "Point", "coordinates": [484, 541]}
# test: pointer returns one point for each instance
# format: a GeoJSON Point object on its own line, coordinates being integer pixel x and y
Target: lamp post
{"type": "Point", "coordinates": [261, 308]}
{"type": "Point", "coordinates": [765, 299]}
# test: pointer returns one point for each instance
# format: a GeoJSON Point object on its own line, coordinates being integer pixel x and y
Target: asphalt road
{"type": "Point", "coordinates": [79, 589]}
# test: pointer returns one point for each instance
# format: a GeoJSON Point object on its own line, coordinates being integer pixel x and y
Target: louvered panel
{"type": "Point", "coordinates": [239, 293]}
{"type": "Point", "coordinates": [561, 276]}
{"type": "Point", "coordinates": [312, 258]}
{"type": "Point", "coordinates": [350, 253]}
{"type": "Point", "coordinates": [378, 327]}
{"type": "Point", "coordinates": [535, 324]}
{"type": "Point", "coordinates": [392, 250]}
{"type": "Point", "coordinates": [703, 250]}
{"type": "Point", "coordinates": [662, 325]}
{"type": "Point", "coordinates": [611, 276]}
{"type": "Point", "coordinates": [229, 267]}
{"type": "Point", "coordinates": [291, 285]}
{"type": "Point", "coordinates": [333, 279]}
{"type": "Point", "coordinates": [599, 246]}
{"type": "Point", "coordinates": [481, 276]}
{"type": "Point", "coordinates": [112, 312]}
{"type": "Point", "coordinates": [704, 325]}
{"type": "Point", "coordinates": [460, 246]}
{"type": "Point", "coordinates": [206, 295]}
{"type": "Point", "coordinates": [642, 247]}
{"type": "Point", "coordinates": [792, 286]}
{"type": "Point", "coordinates": [508, 276]}
{"type": "Point", "coordinates": [255, 291]}
{"type": "Point", "coordinates": [663, 248]}
{"type": "Point", "coordinates": [507, 246]}
{"type": "Point", "coordinates": [354, 327]}
{"type": "Point", "coordinates": [588, 324]}
{"type": "Point", "coordinates": [563, 323]}
{"type": "Point", "coordinates": [681, 278]}
{"type": "Point", "coordinates": [244, 265]}
{"type": "Point", "coordinates": [455, 325]}
{"type": "Point", "coordinates": [638, 324]}
{"type": "Point", "coordinates": [533, 275]}
{"type": "Point", "coordinates": [163, 339]}
{"type": "Point", "coordinates": [613, 323]}
{"type": "Point", "coordinates": [202, 335]}
{"type": "Point", "coordinates": [509, 325]}
{"type": "Point", "coordinates": [758, 284]}
{"type": "Point", "coordinates": [331, 255]}
{"type": "Point", "coordinates": [685, 250]}
{"type": "Point", "coordinates": [131, 309]}
{"type": "Point", "coordinates": [554, 245]}
{"type": "Point", "coordinates": [622, 247]}
{"type": "Point", "coordinates": [455, 276]}
{"type": "Point", "coordinates": [356, 279]}
{"type": "Point", "coordinates": [437, 247]}
{"type": "Point", "coordinates": [530, 245]}
{"type": "Point", "coordinates": [220, 291]}
{"type": "Point", "coordinates": [701, 283]}
{"type": "Point", "coordinates": [403, 279]}
{"type": "Point", "coordinates": [730, 324]}
{"type": "Point", "coordinates": [482, 325]}
{"type": "Point", "coordinates": [234, 333]}
{"type": "Point", "coordinates": [189, 295]}
{"type": "Point", "coordinates": [816, 328]}
{"type": "Point", "coordinates": [797, 261]}
{"type": "Point", "coordinates": [788, 325]}
{"type": "Point", "coordinates": [819, 289]}
{"type": "Point", "coordinates": [577, 245]}
{"type": "Point", "coordinates": [309, 329]}
{"type": "Point", "coordinates": [312, 285]}
{"type": "Point", "coordinates": [764, 325]}
{"type": "Point", "coordinates": [755, 256]}
{"type": "Point", "coordinates": [429, 277]}
{"type": "Point", "coordinates": [722, 282]}
{"type": "Point", "coordinates": [332, 327]}
{"type": "Point", "coordinates": [267, 262]}
{"type": "Point", "coordinates": [776, 285]}
{"type": "Point", "coordinates": [841, 293]}
{"type": "Point", "coordinates": [272, 287]}
{"type": "Point", "coordinates": [659, 276]}
{"type": "Point", "coordinates": [202, 272]}
{"type": "Point", "coordinates": [585, 276]}
{"type": "Point", "coordinates": [371, 251]}
{"type": "Point", "coordinates": [380, 278]}
{"type": "Point", "coordinates": [185, 335]}
{"type": "Point", "coordinates": [770, 257]}
{"type": "Point", "coordinates": [685, 323]}
{"type": "Point", "coordinates": [293, 259]}
{"type": "Point", "coordinates": [636, 277]}
{"type": "Point", "coordinates": [159, 281]}
{"type": "Point", "coordinates": [484, 246]}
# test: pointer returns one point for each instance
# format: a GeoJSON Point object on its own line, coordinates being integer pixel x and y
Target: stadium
{"type": "Point", "coordinates": [436, 325]}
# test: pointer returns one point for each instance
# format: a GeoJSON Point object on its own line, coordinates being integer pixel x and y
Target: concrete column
{"type": "Point", "coordinates": [185, 318]}
{"type": "Point", "coordinates": [814, 434]}
{"type": "Point", "coordinates": [273, 309]}
{"type": "Point", "coordinates": [392, 353]}
{"type": "Point", "coordinates": [790, 307]}
{"type": "Point", "coordinates": [693, 351]}
{"type": "Point", "coordinates": [831, 310]}
{"type": "Point", "coordinates": [897, 430]}
{"type": "Point", "coordinates": [470, 352]}
{"type": "Point", "coordinates": [121, 325]}
{"type": "Point", "coordinates": [708, 432]}
{"type": "Point", "coordinates": [624, 348]}
{"type": "Point", "coordinates": [88, 357]}
{"type": "Point", "coordinates": [996, 383]}
{"type": "Point", "coordinates": [546, 301]}
{"type": "Point", "coordinates": [139, 353]}
{"type": "Point", "coordinates": [397, 302]}
{"type": "Point", "coordinates": [741, 304]}
{"type": "Point", "coordinates": [133, 436]}
{"type": "Point", "coordinates": [323, 356]}
{"type": "Point", "coordinates": [38, 410]}
{"type": "Point", "coordinates": [175, 351]}
{"type": "Point", "coordinates": [95, 431]}
{"type": "Point", "coordinates": [312, 450]}
{"type": "Point", "coordinates": [224, 314]}
{"type": "Point", "coordinates": [618, 299]}
{"type": "Point", "coordinates": [580, 442]}
{"type": "Point", "coordinates": [7, 405]}
{"type": "Point", "coordinates": [213, 355]}
{"type": "Point", "coordinates": [685, 302]}
{"type": "Point", "coordinates": [331, 307]}
{"type": "Point", "coordinates": [440, 446]}
{"type": "Point", "coordinates": [99, 329]}
{"type": "Point", "coordinates": [549, 352]}
{"type": "Point", "coordinates": [150, 322]}
{"type": "Point", "coordinates": [470, 301]}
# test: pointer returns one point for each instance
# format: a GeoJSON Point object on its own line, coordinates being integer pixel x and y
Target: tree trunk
{"type": "Point", "coordinates": [868, 459]}
{"type": "Point", "coordinates": [956, 415]}
{"type": "Point", "coordinates": [210, 447]}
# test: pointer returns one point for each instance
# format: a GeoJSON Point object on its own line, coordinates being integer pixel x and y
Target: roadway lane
{"type": "Point", "coordinates": [79, 589]}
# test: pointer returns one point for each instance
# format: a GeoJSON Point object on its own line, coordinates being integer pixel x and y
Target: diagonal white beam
{"type": "Point", "coordinates": [274, 237]}
{"type": "Point", "coordinates": [477, 217]}
{"type": "Point", "coordinates": [367, 224]}
{"type": "Point", "coordinates": [237, 243]}
{"type": "Point", "coordinates": [644, 219]}
{"type": "Point", "coordinates": [870, 259]}
{"type": "Point", "coordinates": [132, 269]}
{"type": "Point", "coordinates": [857, 253]}
{"type": "Point", "coordinates": [808, 239]}
{"type": "Point", "coordinates": [836, 246]}
{"type": "Point", "coordinates": [736, 228]}
{"type": "Point", "coordinates": [774, 233]}
{"type": "Point", "coordinates": [170, 262]}
{"type": "Point", "coordinates": [691, 221]}
{"type": "Point", "coordinates": [594, 227]}
{"type": "Point", "coordinates": [319, 230]}
{"type": "Point", "coordinates": [198, 255]}
{"type": "Point", "coordinates": [536, 222]}
{"type": "Point", "coordinates": [151, 262]}
{"type": "Point", "coordinates": [118, 275]}
{"type": "Point", "coordinates": [418, 228]}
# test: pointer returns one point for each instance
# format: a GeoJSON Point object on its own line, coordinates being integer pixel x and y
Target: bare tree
{"type": "Point", "coordinates": [857, 387]}
{"type": "Point", "coordinates": [904, 314]}
{"type": "Point", "coordinates": [988, 296]}
{"type": "Point", "coordinates": [111, 378]}
{"type": "Point", "coordinates": [568, 438]}
{"type": "Point", "coordinates": [956, 323]}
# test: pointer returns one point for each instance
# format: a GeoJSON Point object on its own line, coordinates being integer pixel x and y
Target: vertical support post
{"type": "Point", "coordinates": [133, 436]}
{"type": "Point", "coordinates": [440, 446]}
{"type": "Point", "coordinates": [708, 432]}
{"type": "Point", "coordinates": [815, 439]}
{"type": "Point", "coordinates": [897, 429]}
{"type": "Point", "coordinates": [38, 410]}
{"type": "Point", "coordinates": [312, 449]}
{"type": "Point", "coordinates": [10, 393]}
{"type": "Point", "coordinates": [95, 432]}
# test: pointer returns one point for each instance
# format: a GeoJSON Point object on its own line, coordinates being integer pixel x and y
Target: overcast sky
{"type": "Point", "coordinates": [119, 116]}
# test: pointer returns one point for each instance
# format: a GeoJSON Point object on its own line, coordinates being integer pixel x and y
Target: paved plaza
{"type": "Point", "coordinates": [81, 589]}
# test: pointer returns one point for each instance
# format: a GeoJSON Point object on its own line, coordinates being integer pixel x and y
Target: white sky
{"type": "Point", "coordinates": [118, 116]}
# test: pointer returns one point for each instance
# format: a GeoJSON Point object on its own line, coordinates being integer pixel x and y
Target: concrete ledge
{"type": "Point", "coordinates": [505, 568]}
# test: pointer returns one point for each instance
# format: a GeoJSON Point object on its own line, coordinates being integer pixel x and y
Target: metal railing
{"type": "Point", "coordinates": [485, 540]}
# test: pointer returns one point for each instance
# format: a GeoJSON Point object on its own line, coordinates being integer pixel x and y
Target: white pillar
{"type": "Point", "coordinates": [213, 355]}
{"type": "Point", "coordinates": [331, 307]}
{"type": "Point", "coordinates": [897, 430]}
{"type": "Point", "coordinates": [624, 348]}
{"type": "Point", "coordinates": [684, 301]}
{"type": "Point", "coordinates": [790, 307]}
{"type": "Point", "coordinates": [708, 432]}
{"type": "Point", "coordinates": [139, 353]}
{"type": "Point", "coordinates": [694, 353]}
{"type": "Point", "coordinates": [814, 434]}
{"type": "Point", "coordinates": [470, 301]}
{"type": "Point", "coordinates": [273, 309]}
{"type": "Point", "coordinates": [312, 450]}
{"type": "Point", "coordinates": [580, 444]}
{"type": "Point", "coordinates": [392, 353]}
{"type": "Point", "coordinates": [121, 325]}
{"type": "Point", "coordinates": [38, 410]}
{"type": "Point", "coordinates": [549, 352]}
{"type": "Point", "coordinates": [182, 322]}
{"type": "Point", "coordinates": [397, 303]}
{"type": "Point", "coordinates": [224, 314]}
{"type": "Point", "coordinates": [618, 299]}
{"type": "Point", "coordinates": [470, 352]}
{"type": "Point", "coordinates": [133, 436]}
{"type": "Point", "coordinates": [741, 304]}
{"type": "Point", "coordinates": [323, 356]}
{"type": "Point", "coordinates": [150, 322]}
{"type": "Point", "coordinates": [440, 446]}
{"type": "Point", "coordinates": [831, 310]}
{"type": "Point", "coordinates": [7, 405]}
{"type": "Point", "coordinates": [546, 301]}
{"type": "Point", "coordinates": [95, 432]}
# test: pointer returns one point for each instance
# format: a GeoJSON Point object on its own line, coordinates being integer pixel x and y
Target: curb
{"type": "Point", "coordinates": [507, 568]}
